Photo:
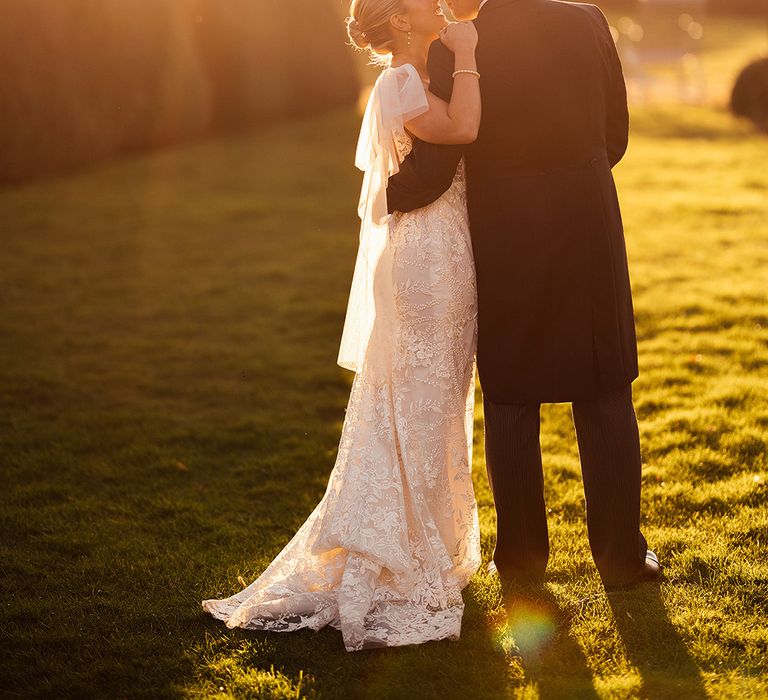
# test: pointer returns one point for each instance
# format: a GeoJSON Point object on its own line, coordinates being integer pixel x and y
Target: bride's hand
{"type": "Point", "coordinates": [459, 36]}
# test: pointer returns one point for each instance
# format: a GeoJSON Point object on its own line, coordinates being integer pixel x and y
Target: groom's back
{"type": "Point", "coordinates": [547, 87]}
{"type": "Point", "coordinates": [555, 305]}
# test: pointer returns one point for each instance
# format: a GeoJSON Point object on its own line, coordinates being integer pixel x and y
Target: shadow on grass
{"type": "Point", "coordinates": [654, 646]}
{"type": "Point", "coordinates": [316, 664]}
{"type": "Point", "coordinates": [536, 634]}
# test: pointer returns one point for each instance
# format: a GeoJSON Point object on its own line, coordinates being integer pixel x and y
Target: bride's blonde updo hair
{"type": "Point", "coordinates": [369, 28]}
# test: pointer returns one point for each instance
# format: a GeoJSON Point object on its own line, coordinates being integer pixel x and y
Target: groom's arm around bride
{"type": "Point", "coordinates": [427, 172]}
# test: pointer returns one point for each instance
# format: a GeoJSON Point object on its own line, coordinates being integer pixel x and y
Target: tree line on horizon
{"type": "Point", "coordinates": [82, 81]}
{"type": "Point", "coordinates": [730, 7]}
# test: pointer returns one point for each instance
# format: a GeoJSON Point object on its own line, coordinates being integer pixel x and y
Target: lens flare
{"type": "Point", "coordinates": [526, 631]}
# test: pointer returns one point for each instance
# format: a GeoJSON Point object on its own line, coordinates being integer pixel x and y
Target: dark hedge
{"type": "Point", "coordinates": [750, 94]}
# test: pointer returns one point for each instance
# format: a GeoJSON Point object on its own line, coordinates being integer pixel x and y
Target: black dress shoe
{"type": "Point", "coordinates": [650, 572]}
{"type": "Point", "coordinates": [652, 565]}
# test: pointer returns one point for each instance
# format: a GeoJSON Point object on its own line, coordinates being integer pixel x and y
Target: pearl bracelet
{"type": "Point", "coordinates": [471, 72]}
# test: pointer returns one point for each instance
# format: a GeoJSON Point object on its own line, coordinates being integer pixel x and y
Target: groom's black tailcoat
{"type": "Point", "coordinates": [555, 307]}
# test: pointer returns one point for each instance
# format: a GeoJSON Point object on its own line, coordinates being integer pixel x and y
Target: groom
{"type": "Point", "coordinates": [555, 308]}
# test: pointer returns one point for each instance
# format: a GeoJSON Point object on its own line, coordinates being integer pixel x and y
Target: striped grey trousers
{"type": "Point", "coordinates": [609, 450]}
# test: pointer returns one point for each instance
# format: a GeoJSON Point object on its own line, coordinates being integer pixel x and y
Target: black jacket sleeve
{"type": "Point", "coordinates": [617, 117]}
{"type": "Point", "coordinates": [428, 170]}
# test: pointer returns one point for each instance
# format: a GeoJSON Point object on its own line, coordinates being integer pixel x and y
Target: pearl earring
{"type": "Point", "coordinates": [409, 38]}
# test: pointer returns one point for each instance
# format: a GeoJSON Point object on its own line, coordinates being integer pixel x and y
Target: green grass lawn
{"type": "Point", "coordinates": [170, 408]}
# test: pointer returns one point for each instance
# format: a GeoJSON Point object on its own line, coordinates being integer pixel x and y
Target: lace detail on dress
{"type": "Point", "coordinates": [385, 554]}
{"type": "Point", "coordinates": [403, 144]}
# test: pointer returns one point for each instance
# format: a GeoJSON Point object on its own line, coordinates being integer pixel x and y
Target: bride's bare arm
{"type": "Point", "coordinates": [456, 122]}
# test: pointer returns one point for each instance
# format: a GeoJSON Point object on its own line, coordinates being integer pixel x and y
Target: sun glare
{"type": "Point", "coordinates": [526, 631]}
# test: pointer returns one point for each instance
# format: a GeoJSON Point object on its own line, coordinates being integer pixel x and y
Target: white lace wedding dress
{"type": "Point", "coordinates": [385, 554]}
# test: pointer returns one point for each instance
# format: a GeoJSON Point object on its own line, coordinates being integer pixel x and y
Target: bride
{"type": "Point", "coordinates": [385, 554]}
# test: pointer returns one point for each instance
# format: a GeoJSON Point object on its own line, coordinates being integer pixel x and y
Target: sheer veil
{"type": "Point", "coordinates": [397, 96]}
